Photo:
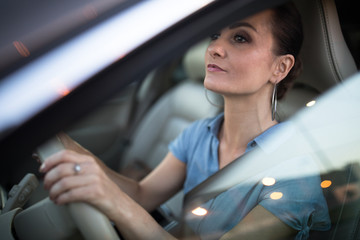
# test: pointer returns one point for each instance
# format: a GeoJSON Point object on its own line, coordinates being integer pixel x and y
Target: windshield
{"type": "Point", "coordinates": [303, 173]}
{"type": "Point", "coordinates": [28, 27]}
{"type": "Point", "coordinates": [77, 60]}
{"type": "Point", "coordinates": [314, 159]}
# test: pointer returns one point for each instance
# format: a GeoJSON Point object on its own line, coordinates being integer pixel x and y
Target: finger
{"type": "Point", "coordinates": [55, 159]}
{"type": "Point", "coordinates": [64, 156]}
{"type": "Point", "coordinates": [71, 184]}
{"type": "Point", "coordinates": [58, 172]}
{"type": "Point", "coordinates": [69, 169]}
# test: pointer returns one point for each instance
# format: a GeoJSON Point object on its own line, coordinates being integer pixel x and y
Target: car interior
{"type": "Point", "coordinates": [131, 132]}
{"type": "Point", "coordinates": [327, 62]}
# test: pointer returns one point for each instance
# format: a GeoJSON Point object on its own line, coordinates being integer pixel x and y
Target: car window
{"type": "Point", "coordinates": [314, 168]}
{"type": "Point", "coordinates": [52, 83]}
{"type": "Point", "coordinates": [316, 160]}
{"type": "Point", "coordinates": [30, 28]}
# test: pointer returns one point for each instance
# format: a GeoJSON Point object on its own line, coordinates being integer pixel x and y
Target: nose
{"type": "Point", "coordinates": [216, 49]}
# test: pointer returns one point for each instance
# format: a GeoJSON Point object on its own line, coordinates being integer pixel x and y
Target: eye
{"type": "Point", "coordinates": [240, 38]}
{"type": "Point", "coordinates": [214, 36]}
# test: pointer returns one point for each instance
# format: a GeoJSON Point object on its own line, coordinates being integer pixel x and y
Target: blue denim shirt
{"type": "Point", "coordinates": [302, 205]}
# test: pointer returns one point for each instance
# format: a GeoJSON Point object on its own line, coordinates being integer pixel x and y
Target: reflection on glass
{"type": "Point", "coordinates": [311, 103]}
{"type": "Point", "coordinates": [21, 48]}
{"type": "Point", "coordinates": [268, 181]}
{"type": "Point", "coordinates": [325, 183]}
{"type": "Point", "coordinates": [90, 12]}
{"type": "Point", "coordinates": [199, 211]}
{"type": "Point", "coordinates": [60, 87]}
{"type": "Point", "coordinates": [276, 195]}
{"type": "Point", "coordinates": [345, 187]}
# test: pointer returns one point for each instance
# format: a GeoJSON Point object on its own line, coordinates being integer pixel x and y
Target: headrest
{"type": "Point", "coordinates": [194, 62]}
{"type": "Point", "coordinates": [326, 57]}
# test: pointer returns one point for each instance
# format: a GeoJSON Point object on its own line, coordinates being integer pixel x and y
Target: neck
{"type": "Point", "coordinates": [244, 119]}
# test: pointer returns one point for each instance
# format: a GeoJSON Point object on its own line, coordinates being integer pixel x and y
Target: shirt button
{"type": "Point", "coordinates": [253, 144]}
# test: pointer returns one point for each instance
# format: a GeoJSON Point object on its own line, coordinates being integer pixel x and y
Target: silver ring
{"type": "Point", "coordinates": [77, 168]}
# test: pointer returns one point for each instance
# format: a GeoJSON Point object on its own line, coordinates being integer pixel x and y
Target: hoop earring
{"type": "Point", "coordinates": [274, 102]}
{"type": "Point", "coordinates": [208, 99]}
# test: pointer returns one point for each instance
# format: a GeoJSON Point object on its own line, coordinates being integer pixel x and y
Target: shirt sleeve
{"type": "Point", "coordinates": [299, 202]}
{"type": "Point", "coordinates": [181, 146]}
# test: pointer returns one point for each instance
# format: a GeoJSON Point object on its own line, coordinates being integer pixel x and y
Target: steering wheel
{"type": "Point", "coordinates": [91, 223]}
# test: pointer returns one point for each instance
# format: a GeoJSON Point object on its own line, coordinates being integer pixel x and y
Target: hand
{"type": "Point", "coordinates": [86, 182]}
{"type": "Point", "coordinates": [77, 177]}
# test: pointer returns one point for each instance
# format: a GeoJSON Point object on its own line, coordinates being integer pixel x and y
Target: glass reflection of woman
{"type": "Point", "coordinates": [247, 63]}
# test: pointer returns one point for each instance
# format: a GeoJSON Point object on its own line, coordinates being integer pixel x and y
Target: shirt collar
{"type": "Point", "coordinates": [215, 123]}
{"type": "Point", "coordinates": [268, 141]}
{"type": "Point", "coordinates": [274, 137]}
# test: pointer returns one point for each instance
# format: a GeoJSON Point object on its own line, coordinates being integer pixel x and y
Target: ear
{"type": "Point", "coordinates": [283, 66]}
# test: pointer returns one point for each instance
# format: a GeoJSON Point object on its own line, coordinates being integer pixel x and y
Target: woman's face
{"type": "Point", "coordinates": [239, 59]}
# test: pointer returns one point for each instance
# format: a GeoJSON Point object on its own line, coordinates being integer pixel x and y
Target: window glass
{"type": "Point", "coordinates": [27, 26]}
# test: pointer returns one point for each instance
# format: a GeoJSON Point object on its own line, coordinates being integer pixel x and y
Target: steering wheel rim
{"type": "Point", "coordinates": [92, 223]}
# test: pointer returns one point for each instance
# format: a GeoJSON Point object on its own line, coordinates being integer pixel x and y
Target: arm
{"type": "Point", "coordinates": [99, 186]}
{"type": "Point", "coordinates": [260, 224]}
{"type": "Point", "coordinates": [162, 183]}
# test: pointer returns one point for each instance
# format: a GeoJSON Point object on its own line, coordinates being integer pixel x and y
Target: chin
{"type": "Point", "coordinates": [214, 86]}
{"type": "Point", "coordinates": [210, 82]}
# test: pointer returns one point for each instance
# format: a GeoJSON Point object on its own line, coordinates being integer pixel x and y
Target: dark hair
{"type": "Point", "coordinates": [287, 30]}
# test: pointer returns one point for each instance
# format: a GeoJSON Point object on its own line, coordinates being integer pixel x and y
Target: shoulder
{"type": "Point", "coordinates": [275, 137]}
{"type": "Point", "coordinates": [205, 125]}
{"type": "Point", "coordinates": [192, 138]}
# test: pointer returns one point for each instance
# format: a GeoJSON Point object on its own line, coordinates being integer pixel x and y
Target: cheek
{"type": "Point", "coordinates": [252, 72]}
{"type": "Point", "coordinates": [256, 65]}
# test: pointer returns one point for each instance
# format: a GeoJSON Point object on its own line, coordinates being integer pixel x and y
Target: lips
{"type": "Point", "coordinates": [214, 68]}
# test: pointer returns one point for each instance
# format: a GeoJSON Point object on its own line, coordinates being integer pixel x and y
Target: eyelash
{"type": "Point", "coordinates": [214, 36]}
{"type": "Point", "coordinates": [239, 38]}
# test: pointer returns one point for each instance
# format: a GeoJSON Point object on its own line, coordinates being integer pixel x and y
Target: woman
{"type": "Point", "coordinates": [247, 63]}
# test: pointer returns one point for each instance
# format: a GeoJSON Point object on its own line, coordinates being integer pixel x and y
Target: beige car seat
{"type": "Point", "coordinates": [326, 58]}
{"type": "Point", "coordinates": [171, 114]}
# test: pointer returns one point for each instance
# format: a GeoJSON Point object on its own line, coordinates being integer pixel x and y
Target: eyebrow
{"type": "Point", "coordinates": [242, 24]}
